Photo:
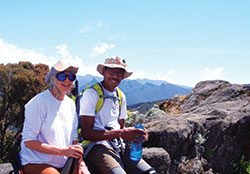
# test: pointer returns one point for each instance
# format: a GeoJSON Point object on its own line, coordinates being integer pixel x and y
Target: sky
{"type": "Point", "coordinates": [180, 41]}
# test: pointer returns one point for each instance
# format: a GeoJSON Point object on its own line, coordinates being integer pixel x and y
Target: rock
{"type": "Point", "coordinates": [6, 168]}
{"type": "Point", "coordinates": [193, 166]}
{"type": "Point", "coordinates": [157, 158]}
{"type": "Point", "coordinates": [206, 130]}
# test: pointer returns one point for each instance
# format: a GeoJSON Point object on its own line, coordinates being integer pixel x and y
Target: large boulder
{"type": "Point", "coordinates": [206, 131]}
{"type": "Point", "coordinates": [157, 158]}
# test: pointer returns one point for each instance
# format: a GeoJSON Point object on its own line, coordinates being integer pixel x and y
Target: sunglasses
{"type": "Point", "coordinates": [112, 72]}
{"type": "Point", "coordinates": [62, 76]}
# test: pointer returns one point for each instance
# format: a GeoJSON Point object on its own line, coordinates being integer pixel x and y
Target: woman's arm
{"type": "Point", "coordinates": [74, 151]}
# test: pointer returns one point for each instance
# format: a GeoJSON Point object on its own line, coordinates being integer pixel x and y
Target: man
{"type": "Point", "coordinates": [108, 123]}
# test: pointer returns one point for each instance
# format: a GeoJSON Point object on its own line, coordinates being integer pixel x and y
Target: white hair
{"type": "Point", "coordinates": [53, 84]}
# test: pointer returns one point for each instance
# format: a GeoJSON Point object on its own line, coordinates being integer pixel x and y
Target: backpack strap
{"type": "Point", "coordinates": [98, 88]}
{"type": "Point", "coordinates": [100, 93]}
{"type": "Point", "coordinates": [119, 94]}
{"type": "Point", "coordinates": [101, 96]}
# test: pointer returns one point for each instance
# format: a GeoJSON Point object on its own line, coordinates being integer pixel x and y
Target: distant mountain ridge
{"type": "Point", "coordinates": [140, 90]}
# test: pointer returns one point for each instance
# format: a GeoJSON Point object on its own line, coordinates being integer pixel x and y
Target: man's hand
{"type": "Point", "coordinates": [134, 134]}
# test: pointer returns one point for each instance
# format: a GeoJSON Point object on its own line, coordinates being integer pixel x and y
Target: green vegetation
{"type": "Point", "coordinates": [135, 117]}
{"type": "Point", "coordinates": [209, 154]}
{"type": "Point", "coordinates": [241, 166]}
{"type": "Point", "coordinates": [18, 84]}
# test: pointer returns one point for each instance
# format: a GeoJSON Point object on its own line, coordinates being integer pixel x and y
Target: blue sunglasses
{"type": "Point", "coordinates": [62, 76]}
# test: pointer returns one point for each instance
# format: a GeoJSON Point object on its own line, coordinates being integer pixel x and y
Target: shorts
{"type": "Point", "coordinates": [40, 168]}
{"type": "Point", "coordinates": [102, 159]}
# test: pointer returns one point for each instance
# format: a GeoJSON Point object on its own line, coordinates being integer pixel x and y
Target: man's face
{"type": "Point", "coordinates": [112, 77]}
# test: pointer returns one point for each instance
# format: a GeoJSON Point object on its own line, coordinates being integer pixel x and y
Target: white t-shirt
{"type": "Point", "coordinates": [49, 121]}
{"type": "Point", "coordinates": [109, 113]}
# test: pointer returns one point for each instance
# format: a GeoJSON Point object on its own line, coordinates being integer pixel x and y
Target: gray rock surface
{"type": "Point", "coordinates": [205, 131]}
{"type": "Point", "coordinates": [6, 168]}
{"type": "Point", "coordinates": [156, 157]}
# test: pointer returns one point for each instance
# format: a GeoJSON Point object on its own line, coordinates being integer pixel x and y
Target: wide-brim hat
{"type": "Point", "coordinates": [114, 62]}
{"type": "Point", "coordinates": [60, 66]}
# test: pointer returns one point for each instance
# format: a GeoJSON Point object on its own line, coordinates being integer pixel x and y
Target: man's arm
{"type": "Point", "coordinates": [88, 133]}
{"type": "Point", "coordinates": [122, 123]}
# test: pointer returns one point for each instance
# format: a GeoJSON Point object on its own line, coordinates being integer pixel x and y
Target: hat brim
{"type": "Point", "coordinates": [100, 68]}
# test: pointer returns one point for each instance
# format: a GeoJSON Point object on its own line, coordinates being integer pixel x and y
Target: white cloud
{"type": "Point", "coordinates": [101, 49]}
{"type": "Point", "coordinates": [62, 50]}
{"type": "Point", "coordinates": [117, 36]}
{"type": "Point", "coordinates": [93, 26]}
{"type": "Point", "coordinates": [114, 37]}
{"type": "Point", "coordinates": [10, 53]}
{"type": "Point", "coordinates": [212, 74]}
{"type": "Point", "coordinates": [84, 70]}
{"type": "Point", "coordinates": [99, 24]}
{"type": "Point", "coordinates": [86, 29]}
{"type": "Point", "coordinates": [154, 76]}
{"type": "Point", "coordinates": [138, 75]}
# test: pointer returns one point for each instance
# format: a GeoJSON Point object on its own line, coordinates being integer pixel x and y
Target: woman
{"type": "Point", "coordinates": [49, 134]}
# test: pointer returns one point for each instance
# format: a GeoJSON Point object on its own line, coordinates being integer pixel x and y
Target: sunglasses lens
{"type": "Point", "coordinates": [72, 77]}
{"type": "Point", "coordinates": [61, 76]}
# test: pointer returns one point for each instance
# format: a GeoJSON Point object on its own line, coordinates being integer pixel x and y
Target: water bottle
{"type": "Point", "coordinates": [136, 149]}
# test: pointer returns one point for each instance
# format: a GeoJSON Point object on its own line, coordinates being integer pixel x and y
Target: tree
{"type": "Point", "coordinates": [18, 84]}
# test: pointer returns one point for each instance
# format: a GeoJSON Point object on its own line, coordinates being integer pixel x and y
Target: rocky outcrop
{"type": "Point", "coordinates": [207, 131]}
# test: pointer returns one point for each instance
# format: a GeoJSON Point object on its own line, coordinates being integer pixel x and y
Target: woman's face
{"type": "Point", "coordinates": [64, 81]}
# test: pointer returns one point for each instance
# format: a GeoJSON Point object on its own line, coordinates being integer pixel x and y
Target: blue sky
{"type": "Point", "coordinates": [181, 41]}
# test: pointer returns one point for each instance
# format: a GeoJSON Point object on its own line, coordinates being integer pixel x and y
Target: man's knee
{"type": "Point", "coordinates": [117, 170]}
{"type": "Point", "coordinates": [145, 168]}
{"type": "Point", "coordinates": [150, 171]}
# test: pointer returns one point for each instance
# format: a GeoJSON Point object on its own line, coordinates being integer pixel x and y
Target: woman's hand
{"type": "Point", "coordinates": [82, 168]}
{"type": "Point", "coordinates": [74, 151]}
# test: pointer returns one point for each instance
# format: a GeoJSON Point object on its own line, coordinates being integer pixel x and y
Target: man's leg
{"type": "Point", "coordinates": [145, 168]}
{"type": "Point", "coordinates": [104, 160]}
{"type": "Point", "coordinates": [117, 170]}
{"type": "Point", "coordinates": [141, 167]}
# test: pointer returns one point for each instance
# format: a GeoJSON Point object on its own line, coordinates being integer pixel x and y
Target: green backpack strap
{"type": "Point", "coordinates": [97, 87]}
{"type": "Point", "coordinates": [120, 97]}
{"type": "Point", "coordinates": [100, 93]}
